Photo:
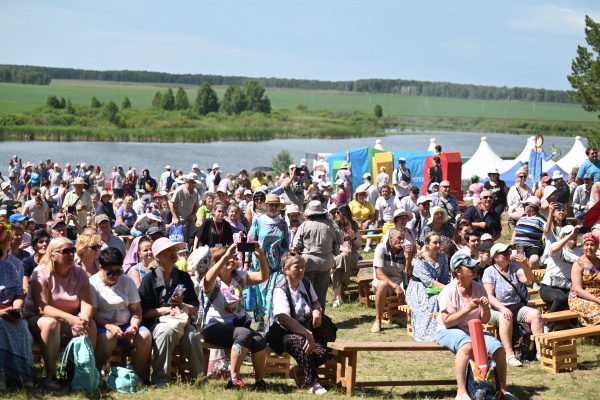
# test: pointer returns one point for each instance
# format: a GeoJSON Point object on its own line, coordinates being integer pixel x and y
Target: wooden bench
{"type": "Point", "coordinates": [364, 289]}
{"type": "Point", "coordinates": [559, 349]}
{"type": "Point", "coordinates": [539, 304]}
{"type": "Point", "coordinates": [128, 239]}
{"type": "Point", "coordinates": [391, 309]}
{"type": "Point", "coordinates": [405, 308]}
{"type": "Point", "coordinates": [539, 275]}
{"type": "Point", "coordinates": [345, 355]}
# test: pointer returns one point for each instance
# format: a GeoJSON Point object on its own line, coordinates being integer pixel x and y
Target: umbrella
{"type": "Point", "coordinates": [592, 216]}
{"type": "Point", "coordinates": [264, 169]}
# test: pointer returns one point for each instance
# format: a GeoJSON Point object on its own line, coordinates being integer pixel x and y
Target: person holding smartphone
{"type": "Point", "coordinates": [15, 341]}
{"type": "Point", "coordinates": [118, 314]}
{"type": "Point", "coordinates": [528, 232]}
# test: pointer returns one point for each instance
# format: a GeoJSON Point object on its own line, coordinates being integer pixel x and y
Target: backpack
{"type": "Point", "coordinates": [124, 380]}
{"type": "Point", "coordinates": [170, 182]}
{"type": "Point", "coordinates": [80, 364]}
{"type": "Point", "coordinates": [480, 386]}
{"type": "Point", "coordinates": [521, 341]}
{"type": "Point", "coordinates": [89, 180]}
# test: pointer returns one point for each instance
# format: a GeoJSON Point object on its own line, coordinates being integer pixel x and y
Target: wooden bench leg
{"type": "Point", "coordinates": [351, 385]}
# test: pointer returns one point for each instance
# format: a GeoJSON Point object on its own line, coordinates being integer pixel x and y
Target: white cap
{"type": "Point", "coordinates": [339, 182]}
{"type": "Point", "coordinates": [167, 167]}
{"type": "Point", "coordinates": [366, 175]}
{"type": "Point", "coordinates": [303, 162]}
{"type": "Point", "coordinates": [195, 166]}
{"type": "Point", "coordinates": [215, 166]}
{"type": "Point", "coordinates": [247, 191]}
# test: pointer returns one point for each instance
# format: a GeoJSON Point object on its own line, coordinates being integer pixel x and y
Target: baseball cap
{"type": "Point", "coordinates": [499, 248]}
{"type": "Point", "coordinates": [56, 223]}
{"type": "Point", "coordinates": [486, 246]}
{"type": "Point", "coordinates": [153, 230]}
{"type": "Point", "coordinates": [588, 176]}
{"type": "Point", "coordinates": [339, 182]}
{"type": "Point", "coordinates": [17, 217]}
{"type": "Point", "coordinates": [459, 259]}
{"type": "Point", "coordinates": [366, 175]}
{"type": "Point", "coordinates": [423, 199]}
{"type": "Point", "coordinates": [101, 218]}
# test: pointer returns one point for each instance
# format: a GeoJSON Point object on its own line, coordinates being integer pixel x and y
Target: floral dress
{"type": "Point", "coordinates": [422, 304]}
{"type": "Point", "coordinates": [273, 237]}
{"type": "Point", "coordinates": [16, 360]}
{"type": "Point", "coordinates": [589, 311]}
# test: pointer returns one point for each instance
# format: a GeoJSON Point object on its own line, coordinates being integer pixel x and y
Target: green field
{"type": "Point", "coordinates": [17, 98]}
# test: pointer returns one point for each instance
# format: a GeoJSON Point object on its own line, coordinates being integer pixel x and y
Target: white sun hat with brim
{"type": "Point", "coordinates": [314, 208]}
{"type": "Point", "coordinates": [548, 190]}
{"type": "Point", "coordinates": [163, 244]}
{"type": "Point", "coordinates": [401, 211]}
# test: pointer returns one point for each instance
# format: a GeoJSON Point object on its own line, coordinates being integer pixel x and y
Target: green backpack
{"type": "Point", "coordinates": [81, 369]}
{"type": "Point", "coordinates": [124, 380]}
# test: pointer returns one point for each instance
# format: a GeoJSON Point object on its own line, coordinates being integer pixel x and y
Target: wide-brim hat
{"type": "Point", "coordinates": [272, 198]}
{"type": "Point", "coordinates": [79, 181]}
{"type": "Point", "coordinates": [548, 190]}
{"type": "Point", "coordinates": [557, 175]}
{"type": "Point", "coordinates": [105, 193]}
{"type": "Point", "coordinates": [401, 211]}
{"type": "Point", "coordinates": [4, 185]}
{"type": "Point", "coordinates": [314, 208]}
{"type": "Point", "coordinates": [200, 260]}
{"type": "Point", "coordinates": [192, 176]}
{"type": "Point", "coordinates": [162, 244]}
{"type": "Point", "coordinates": [344, 165]}
{"type": "Point", "coordinates": [154, 216]}
{"type": "Point", "coordinates": [435, 210]}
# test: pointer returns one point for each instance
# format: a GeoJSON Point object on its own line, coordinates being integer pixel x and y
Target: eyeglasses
{"type": "Point", "coordinates": [486, 197]}
{"type": "Point", "coordinates": [522, 176]}
{"type": "Point", "coordinates": [117, 272]}
{"type": "Point", "coordinates": [95, 247]}
{"type": "Point", "coordinates": [334, 212]}
{"type": "Point", "coordinates": [67, 251]}
{"type": "Point", "coordinates": [445, 187]}
{"type": "Point", "coordinates": [43, 241]}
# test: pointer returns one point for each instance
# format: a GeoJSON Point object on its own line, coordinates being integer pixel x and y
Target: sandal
{"type": "Point", "coordinates": [513, 361]}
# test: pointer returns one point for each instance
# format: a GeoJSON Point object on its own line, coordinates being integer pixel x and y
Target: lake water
{"type": "Point", "coordinates": [232, 156]}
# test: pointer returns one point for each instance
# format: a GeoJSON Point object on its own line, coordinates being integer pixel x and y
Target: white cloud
{"type": "Point", "coordinates": [555, 19]}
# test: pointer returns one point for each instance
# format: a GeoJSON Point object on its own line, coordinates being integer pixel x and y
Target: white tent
{"type": "Point", "coordinates": [575, 156]}
{"type": "Point", "coordinates": [432, 145]}
{"type": "Point", "coordinates": [483, 161]}
{"type": "Point", "coordinates": [378, 145]}
{"type": "Point", "coordinates": [524, 156]}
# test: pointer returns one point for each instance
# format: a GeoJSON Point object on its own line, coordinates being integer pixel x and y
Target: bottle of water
{"type": "Point", "coordinates": [128, 364]}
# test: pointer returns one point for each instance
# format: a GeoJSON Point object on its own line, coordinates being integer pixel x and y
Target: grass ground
{"type": "Point", "coordinates": [17, 98]}
{"type": "Point", "coordinates": [354, 321]}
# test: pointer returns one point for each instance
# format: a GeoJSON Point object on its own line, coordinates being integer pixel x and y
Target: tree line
{"type": "Point", "coordinates": [23, 75]}
{"type": "Point", "coordinates": [391, 86]}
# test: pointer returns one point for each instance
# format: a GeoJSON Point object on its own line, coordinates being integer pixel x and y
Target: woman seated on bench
{"type": "Point", "coordinates": [584, 297]}
{"type": "Point", "coordinates": [459, 302]}
{"type": "Point", "coordinates": [294, 311]}
{"type": "Point", "coordinates": [225, 321]}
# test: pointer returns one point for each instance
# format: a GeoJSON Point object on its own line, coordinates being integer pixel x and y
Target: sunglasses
{"type": "Point", "coordinates": [446, 187]}
{"type": "Point", "coordinates": [95, 247]}
{"type": "Point", "coordinates": [117, 272]}
{"type": "Point", "coordinates": [522, 176]}
{"type": "Point", "coordinates": [67, 251]}
{"type": "Point", "coordinates": [43, 241]}
{"type": "Point", "coordinates": [334, 212]}
{"type": "Point", "coordinates": [486, 197]}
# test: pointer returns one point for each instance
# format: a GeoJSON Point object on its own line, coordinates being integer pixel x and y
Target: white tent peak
{"type": "Point", "coordinates": [524, 156]}
{"type": "Point", "coordinates": [432, 144]}
{"type": "Point", "coordinates": [378, 145]}
{"type": "Point", "coordinates": [575, 156]}
{"type": "Point", "coordinates": [483, 161]}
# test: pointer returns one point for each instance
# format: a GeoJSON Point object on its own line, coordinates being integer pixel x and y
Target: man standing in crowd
{"type": "Point", "coordinates": [184, 204]}
{"type": "Point", "coordinates": [590, 166]}
{"type": "Point", "coordinates": [78, 202]}
{"type": "Point", "coordinates": [402, 179]}
{"type": "Point", "coordinates": [446, 200]}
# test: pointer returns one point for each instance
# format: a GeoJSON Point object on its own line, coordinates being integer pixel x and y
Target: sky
{"type": "Point", "coordinates": [500, 43]}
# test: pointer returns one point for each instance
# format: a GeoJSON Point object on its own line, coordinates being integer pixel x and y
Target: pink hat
{"type": "Point", "coordinates": [162, 244]}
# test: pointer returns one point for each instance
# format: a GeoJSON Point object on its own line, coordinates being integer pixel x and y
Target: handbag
{"type": "Point", "coordinates": [176, 234]}
{"type": "Point", "coordinates": [124, 380]}
{"type": "Point", "coordinates": [521, 291]}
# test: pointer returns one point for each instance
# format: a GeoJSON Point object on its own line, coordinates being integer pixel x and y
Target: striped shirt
{"type": "Point", "coordinates": [529, 230]}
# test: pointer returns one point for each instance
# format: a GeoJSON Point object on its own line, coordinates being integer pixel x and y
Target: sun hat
{"type": "Point", "coordinates": [314, 208]}
{"type": "Point", "coordinates": [79, 181]}
{"type": "Point", "coordinates": [4, 185]}
{"type": "Point", "coordinates": [423, 199]}
{"type": "Point", "coordinates": [532, 200]}
{"type": "Point", "coordinates": [105, 193]}
{"type": "Point", "coordinates": [181, 179]}
{"type": "Point", "coordinates": [247, 192]}
{"type": "Point", "coordinates": [344, 165]}
{"type": "Point", "coordinates": [360, 189]}
{"type": "Point", "coordinates": [548, 190]}
{"type": "Point", "coordinates": [339, 182]}
{"type": "Point", "coordinates": [192, 176]}
{"type": "Point", "coordinates": [487, 237]}
{"type": "Point", "coordinates": [292, 208]}
{"type": "Point", "coordinates": [154, 216]}
{"type": "Point", "coordinates": [167, 167]}
{"type": "Point", "coordinates": [101, 218]}
{"type": "Point", "coordinates": [162, 244]}
{"type": "Point", "coordinates": [215, 166]}
{"type": "Point", "coordinates": [332, 207]}
{"type": "Point", "coordinates": [565, 230]}
{"type": "Point", "coordinates": [557, 175]}
{"type": "Point", "coordinates": [272, 198]}
{"type": "Point", "coordinates": [200, 260]}
{"type": "Point", "coordinates": [459, 259]}
{"type": "Point", "coordinates": [499, 248]}
{"type": "Point", "coordinates": [17, 217]}
{"type": "Point", "coordinates": [435, 210]}
{"type": "Point", "coordinates": [401, 211]}
{"type": "Point", "coordinates": [292, 166]}
{"type": "Point", "coordinates": [433, 184]}
{"type": "Point", "coordinates": [195, 166]}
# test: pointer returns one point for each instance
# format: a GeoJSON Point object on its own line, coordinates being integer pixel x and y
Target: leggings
{"type": "Point", "coordinates": [558, 299]}
{"type": "Point", "coordinates": [307, 363]}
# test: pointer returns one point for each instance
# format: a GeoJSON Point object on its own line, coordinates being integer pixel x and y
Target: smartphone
{"type": "Point", "coordinates": [245, 247]}
{"type": "Point", "coordinates": [72, 210]}
{"type": "Point", "coordinates": [560, 206]}
{"type": "Point", "coordinates": [585, 229]}
{"type": "Point", "coordinates": [14, 314]}
{"type": "Point", "coordinates": [179, 290]}
{"type": "Point", "coordinates": [520, 249]}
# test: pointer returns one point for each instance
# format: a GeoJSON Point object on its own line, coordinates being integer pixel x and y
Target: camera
{"type": "Point", "coordinates": [245, 247]}
{"type": "Point", "coordinates": [299, 171]}
{"type": "Point", "coordinates": [72, 210]}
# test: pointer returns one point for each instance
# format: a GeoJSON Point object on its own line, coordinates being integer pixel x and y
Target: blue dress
{"type": "Point", "coordinates": [16, 359]}
{"type": "Point", "coordinates": [273, 237]}
{"type": "Point", "coordinates": [535, 165]}
{"type": "Point", "coordinates": [421, 304]}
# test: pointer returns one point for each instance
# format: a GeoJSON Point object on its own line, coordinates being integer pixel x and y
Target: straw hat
{"type": "Point", "coordinates": [79, 181]}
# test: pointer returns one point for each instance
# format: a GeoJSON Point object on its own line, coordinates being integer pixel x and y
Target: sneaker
{"type": "Point", "coordinates": [509, 396]}
{"type": "Point", "coordinates": [367, 249]}
{"type": "Point", "coordinates": [317, 389]}
{"type": "Point", "coordinates": [336, 303]}
{"type": "Point", "coordinates": [296, 375]}
{"type": "Point", "coordinates": [235, 383]}
{"type": "Point", "coordinates": [52, 383]}
{"type": "Point", "coordinates": [261, 385]}
{"type": "Point", "coordinates": [376, 327]}
{"type": "Point", "coordinates": [513, 361]}
{"type": "Point", "coordinates": [547, 329]}
{"type": "Point", "coordinates": [538, 356]}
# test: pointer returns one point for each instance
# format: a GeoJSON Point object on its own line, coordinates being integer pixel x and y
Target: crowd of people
{"type": "Point", "coordinates": [189, 273]}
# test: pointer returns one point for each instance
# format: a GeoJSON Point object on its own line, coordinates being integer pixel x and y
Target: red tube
{"type": "Point", "coordinates": [478, 343]}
